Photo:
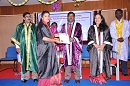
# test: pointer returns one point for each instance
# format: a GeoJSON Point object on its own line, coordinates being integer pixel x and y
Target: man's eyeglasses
{"type": "Point", "coordinates": [27, 16]}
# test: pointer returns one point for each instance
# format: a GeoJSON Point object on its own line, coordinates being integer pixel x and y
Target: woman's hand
{"type": "Point", "coordinates": [57, 41]}
{"type": "Point", "coordinates": [101, 47]}
{"type": "Point", "coordinates": [96, 45]}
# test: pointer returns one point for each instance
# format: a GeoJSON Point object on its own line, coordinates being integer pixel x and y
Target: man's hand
{"type": "Point", "coordinates": [71, 39]}
{"type": "Point", "coordinates": [18, 50]}
{"type": "Point", "coordinates": [129, 39]}
{"type": "Point", "coordinates": [120, 39]}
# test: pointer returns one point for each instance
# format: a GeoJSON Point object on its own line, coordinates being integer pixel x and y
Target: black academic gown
{"type": "Point", "coordinates": [94, 59]}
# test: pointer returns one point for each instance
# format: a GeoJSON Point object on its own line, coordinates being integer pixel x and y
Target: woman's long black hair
{"type": "Point", "coordinates": [41, 23]}
{"type": "Point", "coordinates": [103, 24]}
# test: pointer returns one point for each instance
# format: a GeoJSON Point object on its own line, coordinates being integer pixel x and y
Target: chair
{"type": "Point", "coordinates": [85, 54]}
{"type": "Point", "coordinates": [61, 61]}
{"type": "Point", "coordinates": [115, 63]}
{"type": "Point", "coordinates": [11, 55]}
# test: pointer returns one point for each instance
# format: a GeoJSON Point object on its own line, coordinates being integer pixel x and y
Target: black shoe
{"type": "Point", "coordinates": [126, 74]}
{"type": "Point", "coordinates": [35, 80]}
{"type": "Point", "coordinates": [66, 81]}
{"type": "Point", "coordinates": [77, 81]}
{"type": "Point", "coordinates": [108, 78]}
{"type": "Point", "coordinates": [24, 80]}
{"type": "Point", "coordinates": [114, 74]}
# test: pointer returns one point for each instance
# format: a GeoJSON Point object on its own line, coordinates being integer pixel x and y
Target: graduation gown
{"type": "Point", "coordinates": [95, 55]}
{"type": "Point", "coordinates": [25, 37]}
{"type": "Point", "coordinates": [72, 55]}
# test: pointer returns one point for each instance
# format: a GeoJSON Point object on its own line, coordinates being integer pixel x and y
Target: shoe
{"type": "Point", "coordinates": [24, 80]}
{"type": "Point", "coordinates": [61, 84]}
{"type": "Point", "coordinates": [108, 78]}
{"type": "Point", "coordinates": [35, 80]}
{"type": "Point", "coordinates": [66, 81]}
{"type": "Point", "coordinates": [114, 74]}
{"type": "Point", "coordinates": [77, 81]}
{"type": "Point", "coordinates": [126, 74]}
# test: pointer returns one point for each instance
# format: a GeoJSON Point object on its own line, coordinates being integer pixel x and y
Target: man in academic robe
{"type": "Point", "coordinates": [25, 40]}
{"type": "Point", "coordinates": [72, 51]}
{"type": "Point", "coordinates": [119, 30]}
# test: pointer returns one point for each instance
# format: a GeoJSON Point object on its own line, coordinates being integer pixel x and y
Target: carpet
{"type": "Point", "coordinates": [7, 74]}
{"type": "Point", "coordinates": [83, 82]}
{"type": "Point", "coordinates": [9, 78]}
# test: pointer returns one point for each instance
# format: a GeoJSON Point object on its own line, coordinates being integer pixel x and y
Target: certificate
{"type": "Point", "coordinates": [64, 38]}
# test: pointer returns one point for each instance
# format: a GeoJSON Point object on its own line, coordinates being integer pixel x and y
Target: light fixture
{"type": "Point", "coordinates": [77, 3]}
{"type": "Point", "coordinates": [19, 4]}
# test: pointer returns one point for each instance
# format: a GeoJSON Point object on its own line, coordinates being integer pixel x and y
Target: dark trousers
{"type": "Point", "coordinates": [124, 68]}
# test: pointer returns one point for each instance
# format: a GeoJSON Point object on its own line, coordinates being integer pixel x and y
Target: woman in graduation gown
{"type": "Point", "coordinates": [48, 70]}
{"type": "Point", "coordinates": [99, 47]}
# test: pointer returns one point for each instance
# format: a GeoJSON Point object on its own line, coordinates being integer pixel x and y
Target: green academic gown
{"type": "Point", "coordinates": [25, 37]}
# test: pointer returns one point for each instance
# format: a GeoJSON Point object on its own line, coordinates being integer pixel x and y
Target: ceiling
{"type": "Point", "coordinates": [6, 3]}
